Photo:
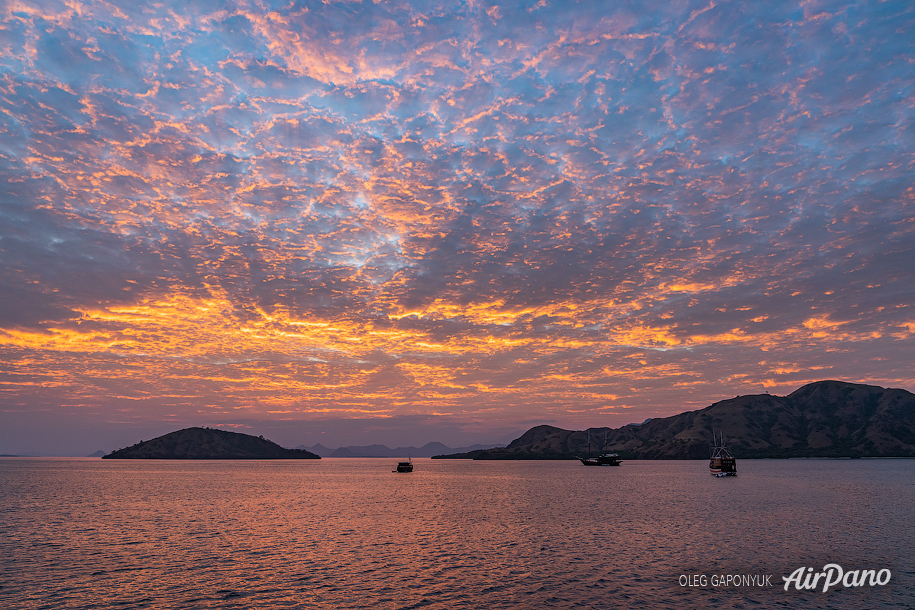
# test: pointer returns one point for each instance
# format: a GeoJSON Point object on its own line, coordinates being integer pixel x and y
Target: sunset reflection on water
{"type": "Point", "coordinates": [349, 533]}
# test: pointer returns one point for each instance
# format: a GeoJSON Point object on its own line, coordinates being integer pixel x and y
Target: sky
{"type": "Point", "coordinates": [396, 222]}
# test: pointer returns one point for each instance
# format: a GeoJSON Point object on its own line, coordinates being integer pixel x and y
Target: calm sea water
{"type": "Point", "coordinates": [349, 533]}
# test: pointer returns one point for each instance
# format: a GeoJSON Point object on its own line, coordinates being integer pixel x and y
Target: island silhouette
{"type": "Point", "coordinates": [209, 444]}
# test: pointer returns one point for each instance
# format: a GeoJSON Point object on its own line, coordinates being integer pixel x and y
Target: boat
{"type": "Point", "coordinates": [404, 466]}
{"type": "Point", "coordinates": [722, 463]}
{"type": "Point", "coordinates": [605, 459]}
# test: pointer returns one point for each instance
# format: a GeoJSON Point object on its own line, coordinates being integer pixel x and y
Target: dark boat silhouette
{"type": "Point", "coordinates": [722, 463]}
{"type": "Point", "coordinates": [404, 466]}
{"type": "Point", "coordinates": [605, 459]}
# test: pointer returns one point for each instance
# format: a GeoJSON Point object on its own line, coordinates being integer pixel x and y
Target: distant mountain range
{"type": "Point", "coordinates": [822, 419]}
{"type": "Point", "coordinates": [382, 451]}
{"type": "Point", "coordinates": [208, 444]}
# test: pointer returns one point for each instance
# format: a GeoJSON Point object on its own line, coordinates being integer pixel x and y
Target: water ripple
{"type": "Point", "coordinates": [349, 534]}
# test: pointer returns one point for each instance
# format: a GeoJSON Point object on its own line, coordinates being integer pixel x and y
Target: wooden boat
{"type": "Point", "coordinates": [605, 459]}
{"type": "Point", "coordinates": [722, 463]}
{"type": "Point", "coordinates": [404, 467]}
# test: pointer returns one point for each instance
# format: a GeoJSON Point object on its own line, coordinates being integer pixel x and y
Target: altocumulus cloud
{"type": "Point", "coordinates": [492, 213]}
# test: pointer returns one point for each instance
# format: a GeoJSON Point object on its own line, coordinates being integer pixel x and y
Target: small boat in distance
{"type": "Point", "coordinates": [605, 459]}
{"type": "Point", "coordinates": [404, 466]}
{"type": "Point", "coordinates": [722, 463]}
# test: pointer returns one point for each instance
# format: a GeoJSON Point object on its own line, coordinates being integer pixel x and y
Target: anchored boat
{"type": "Point", "coordinates": [404, 466]}
{"type": "Point", "coordinates": [722, 463]}
{"type": "Point", "coordinates": [605, 459]}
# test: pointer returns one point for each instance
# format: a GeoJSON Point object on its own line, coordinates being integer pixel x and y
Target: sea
{"type": "Point", "coordinates": [350, 533]}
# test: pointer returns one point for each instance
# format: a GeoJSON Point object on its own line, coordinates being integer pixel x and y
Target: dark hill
{"type": "Point", "coordinates": [822, 419]}
{"type": "Point", "coordinates": [209, 444]}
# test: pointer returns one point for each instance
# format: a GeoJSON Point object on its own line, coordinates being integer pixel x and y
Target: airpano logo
{"type": "Point", "coordinates": [833, 575]}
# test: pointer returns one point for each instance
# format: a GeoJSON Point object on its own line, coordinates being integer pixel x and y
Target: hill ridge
{"type": "Point", "coordinates": [209, 444]}
{"type": "Point", "coordinates": [822, 419]}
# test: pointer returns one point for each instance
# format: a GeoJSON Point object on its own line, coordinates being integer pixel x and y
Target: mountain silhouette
{"type": "Point", "coordinates": [822, 419]}
{"type": "Point", "coordinates": [209, 444]}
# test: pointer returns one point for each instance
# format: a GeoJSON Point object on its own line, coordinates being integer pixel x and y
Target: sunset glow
{"type": "Point", "coordinates": [487, 215]}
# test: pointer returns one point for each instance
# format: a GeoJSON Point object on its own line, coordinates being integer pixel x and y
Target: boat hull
{"type": "Point", "coordinates": [603, 460]}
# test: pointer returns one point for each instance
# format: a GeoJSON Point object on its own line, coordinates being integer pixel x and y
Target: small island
{"type": "Point", "coordinates": [209, 444]}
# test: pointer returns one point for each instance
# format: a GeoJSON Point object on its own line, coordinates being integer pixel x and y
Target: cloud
{"type": "Point", "coordinates": [503, 214]}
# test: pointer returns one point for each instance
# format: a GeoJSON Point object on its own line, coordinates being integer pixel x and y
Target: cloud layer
{"type": "Point", "coordinates": [586, 213]}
